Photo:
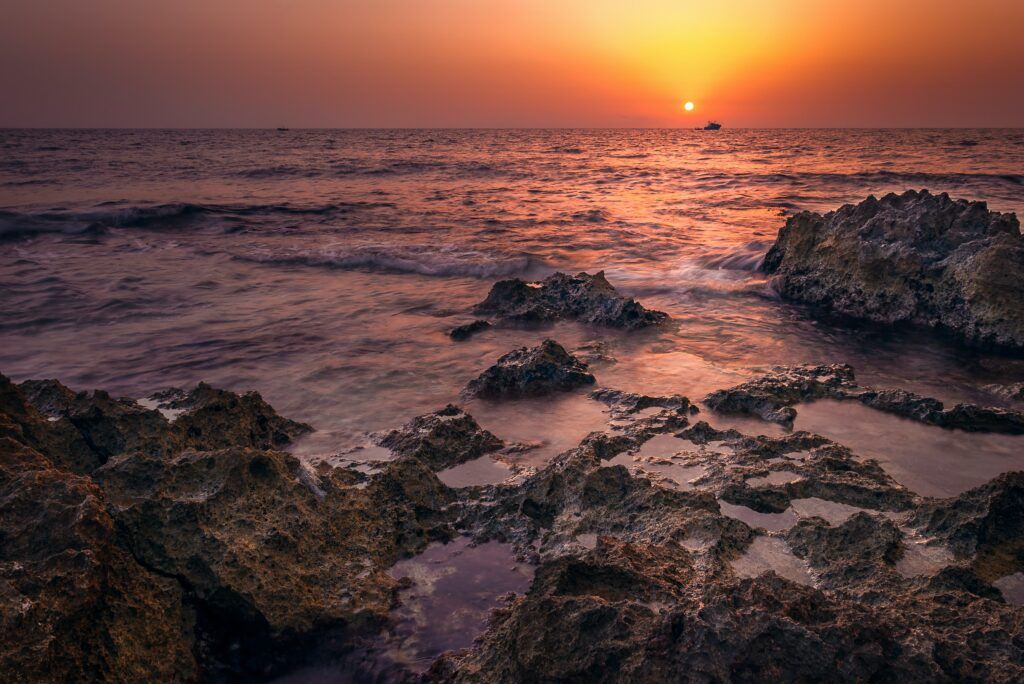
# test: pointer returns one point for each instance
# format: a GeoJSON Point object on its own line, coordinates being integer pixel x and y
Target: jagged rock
{"type": "Point", "coordinates": [967, 417]}
{"type": "Point", "coordinates": [55, 438]}
{"type": "Point", "coordinates": [849, 553]}
{"type": "Point", "coordinates": [216, 419]}
{"type": "Point", "coordinates": [74, 606]}
{"type": "Point", "coordinates": [583, 297]}
{"type": "Point", "coordinates": [109, 426]}
{"type": "Point", "coordinates": [532, 371]}
{"type": "Point", "coordinates": [624, 613]}
{"type": "Point", "coordinates": [986, 523]}
{"type": "Point", "coordinates": [273, 554]}
{"type": "Point", "coordinates": [464, 332]}
{"type": "Point", "coordinates": [627, 403]}
{"type": "Point", "coordinates": [915, 258]}
{"type": "Point", "coordinates": [205, 418]}
{"type": "Point", "coordinates": [772, 395]}
{"type": "Point", "coordinates": [442, 439]}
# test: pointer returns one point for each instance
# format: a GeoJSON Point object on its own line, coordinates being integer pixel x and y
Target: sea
{"type": "Point", "coordinates": [325, 268]}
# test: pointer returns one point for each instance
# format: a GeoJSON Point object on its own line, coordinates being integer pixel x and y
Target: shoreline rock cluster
{"type": "Point", "coordinates": [185, 559]}
{"type": "Point", "coordinates": [175, 540]}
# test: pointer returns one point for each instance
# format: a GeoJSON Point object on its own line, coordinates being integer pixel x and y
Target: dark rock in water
{"type": "Point", "coordinates": [986, 522]}
{"type": "Point", "coordinates": [626, 403]}
{"type": "Point", "coordinates": [772, 395]}
{"type": "Point", "coordinates": [464, 332]}
{"type": "Point", "coordinates": [532, 371]}
{"type": "Point", "coordinates": [968, 417]}
{"type": "Point", "coordinates": [583, 297]}
{"type": "Point", "coordinates": [915, 258]}
{"type": "Point", "coordinates": [74, 606]}
{"type": "Point", "coordinates": [442, 439]}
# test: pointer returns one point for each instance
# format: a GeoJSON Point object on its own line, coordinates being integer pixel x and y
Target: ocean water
{"type": "Point", "coordinates": [324, 268]}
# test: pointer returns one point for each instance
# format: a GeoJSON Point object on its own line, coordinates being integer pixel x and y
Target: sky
{"type": "Point", "coordinates": [511, 63]}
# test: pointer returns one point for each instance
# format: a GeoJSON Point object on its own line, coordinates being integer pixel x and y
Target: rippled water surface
{"type": "Point", "coordinates": [324, 268]}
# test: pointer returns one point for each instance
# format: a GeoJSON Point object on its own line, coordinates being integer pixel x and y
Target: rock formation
{"type": "Point", "coordinates": [534, 371]}
{"type": "Point", "coordinates": [913, 258]}
{"type": "Point", "coordinates": [582, 297]}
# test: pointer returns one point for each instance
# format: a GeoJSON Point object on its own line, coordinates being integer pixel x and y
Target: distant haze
{"type": "Point", "coordinates": [498, 63]}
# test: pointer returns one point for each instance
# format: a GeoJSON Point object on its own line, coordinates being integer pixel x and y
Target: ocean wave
{"type": "Point", "coordinates": [15, 224]}
{"type": "Point", "coordinates": [747, 257]}
{"type": "Point", "coordinates": [417, 259]}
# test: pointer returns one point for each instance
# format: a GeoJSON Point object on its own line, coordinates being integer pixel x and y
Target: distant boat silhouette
{"type": "Point", "coordinates": [282, 129]}
{"type": "Point", "coordinates": [713, 126]}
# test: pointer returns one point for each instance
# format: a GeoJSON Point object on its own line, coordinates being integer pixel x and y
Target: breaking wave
{"type": "Point", "coordinates": [418, 259]}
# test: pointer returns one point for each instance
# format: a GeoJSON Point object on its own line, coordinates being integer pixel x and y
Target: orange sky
{"type": "Point", "coordinates": [511, 62]}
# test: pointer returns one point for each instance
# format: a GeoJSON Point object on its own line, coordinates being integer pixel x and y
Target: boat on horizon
{"type": "Point", "coordinates": [713, 126]}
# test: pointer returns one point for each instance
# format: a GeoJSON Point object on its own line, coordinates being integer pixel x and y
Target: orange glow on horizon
{"type": "Point", "coordinates": [512, 63]}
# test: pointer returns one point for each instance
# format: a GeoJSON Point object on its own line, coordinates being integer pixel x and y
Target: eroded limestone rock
{"type": "Point", "coordinates": [917, 258]}
{"type": "Point", "coordinates": [583, 297]}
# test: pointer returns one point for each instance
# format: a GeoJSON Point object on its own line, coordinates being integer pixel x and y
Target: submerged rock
{"type": "Point", "coordinates": [913, 258]}
{"type": "Point", "coordinates": [464, 332]}
{"type": "Point", "coordinates": [533, 371]}
{"type": "Point", "coordinates": [583, 297]}
{"type": "Point", "coordinates": [441, 439]}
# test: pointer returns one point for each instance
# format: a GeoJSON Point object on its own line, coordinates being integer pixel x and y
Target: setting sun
{"type": "Point", "coordinates": [688, 106]}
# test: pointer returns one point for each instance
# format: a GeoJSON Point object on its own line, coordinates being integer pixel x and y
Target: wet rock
{"type": "Point", "coordinates": [74, 606]}
{"type": "Point", "coordinates": [55, 438]}
{"type": "Point", "coordinates": [108, 425]}
{"type": "Point", "coordinates": [913, 258]}
{"type": "Point", "coordinates": [464, 332]}
{"type": "Point", "coordinates": [968, 417]}
{"type": "Point", "coordinates": [985, 523]}
{"type": "Point", "coordinates": [205, 418]}
{"type": "Point", "coordinates": [213, 418]}
{"type": "Point", "coordinates": [630, 614]}
{"type": "Point", "coordinates": [273, 555]}
{"type": "Point", "coordinates": [583, 297]}
{"type": "Point", "coordinates": [532, 371]}
{"type": "Point", "coordinates": [442, 439]}
{"type": "Point", "coordinates": [772, 395]}
{"type": "Point", "coordinates": [627, 403]}
{"type": "Point", "coordinates": [849, 553]}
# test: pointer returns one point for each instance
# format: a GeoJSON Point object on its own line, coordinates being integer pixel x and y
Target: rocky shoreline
{"type": "Point", "coordinates": [176, 539]}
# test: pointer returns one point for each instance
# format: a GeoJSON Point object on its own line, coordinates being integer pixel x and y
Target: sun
{"type": "Point", "coordinates": [688, 106]}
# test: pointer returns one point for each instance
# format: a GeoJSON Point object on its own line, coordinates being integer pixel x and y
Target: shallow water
{"type": "Point", "coordinates": [455, 587]}
{"type": "Point", "coordinates": [929, 460]}
{"type": "Point", "coordinates": [771, 553]}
